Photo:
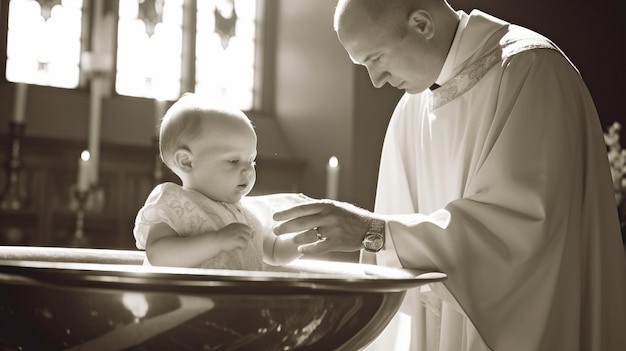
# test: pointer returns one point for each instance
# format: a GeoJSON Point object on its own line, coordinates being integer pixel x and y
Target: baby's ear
{"type": "Point", "coordinates": [183, 159]}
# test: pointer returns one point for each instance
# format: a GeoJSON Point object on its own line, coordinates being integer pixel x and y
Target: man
{"type": "Point", "coordinates": [494, 171]}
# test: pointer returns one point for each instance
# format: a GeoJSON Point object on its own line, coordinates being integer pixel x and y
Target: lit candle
{"type": "Point", "coordinates": [332, 178]}
{"type": "Point", "coordinates": [83, 171]}
{"type": "Point", "coordinates": [19, 108]}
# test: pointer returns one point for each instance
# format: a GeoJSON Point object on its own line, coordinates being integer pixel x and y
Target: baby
{"type": "Point", "coordinates": [204, 223]}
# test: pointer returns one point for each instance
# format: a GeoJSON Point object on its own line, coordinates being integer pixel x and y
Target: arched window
{"type": "Point", "coordinates": [154, 51]}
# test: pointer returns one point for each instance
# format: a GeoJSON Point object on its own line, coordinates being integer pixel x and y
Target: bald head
{"type": "Point", "coordinates": [401, 42]}
{"type": "Point", "coordinates": [387, 11]}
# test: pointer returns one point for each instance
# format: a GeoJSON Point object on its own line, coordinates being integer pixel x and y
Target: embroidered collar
{"type": "Point", "coordinates": [473, 73]}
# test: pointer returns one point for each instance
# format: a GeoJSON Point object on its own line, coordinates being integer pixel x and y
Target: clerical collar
{"type": "Point", "coordinates": [448, 71]}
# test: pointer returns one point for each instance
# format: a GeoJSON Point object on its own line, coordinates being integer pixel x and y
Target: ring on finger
{"type": "Point", "coordinates": [319, 235]}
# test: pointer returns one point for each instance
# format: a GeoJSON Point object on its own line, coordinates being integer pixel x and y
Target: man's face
{"type": "Point", "coordinates": [406, 62]}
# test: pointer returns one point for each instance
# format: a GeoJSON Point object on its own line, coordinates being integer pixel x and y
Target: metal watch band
{"type": "Point", "coordinates": [376, 226]}
{"type": "Point", "coordinates": [374, 238]}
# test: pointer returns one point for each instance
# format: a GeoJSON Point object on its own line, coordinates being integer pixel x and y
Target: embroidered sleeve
{"type": "Point", "coordinates": [164, 205]}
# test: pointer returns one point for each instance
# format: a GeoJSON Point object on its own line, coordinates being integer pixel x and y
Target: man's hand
{"type": "Point", "coordinates": [263, 206]}
{"type": "Point", "coordinates": [340, 225]}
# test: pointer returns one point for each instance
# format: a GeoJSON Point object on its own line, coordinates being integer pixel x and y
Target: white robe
{"type": "Point", "coordinates": [500, 179]}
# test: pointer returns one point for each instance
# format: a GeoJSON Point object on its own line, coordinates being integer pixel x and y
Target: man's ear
{"type": "Point", "coordinates": [183, 160]}
{"type": "Point", "coordinates": [421, 22]}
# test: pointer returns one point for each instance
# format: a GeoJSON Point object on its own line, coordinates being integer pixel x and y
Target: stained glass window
{"type": "Point", "coordinates": [225, 50]}
{"type": "Point", "coordinates": [151, 57]}
{"type": "Point", "coordinates": [44, 42]}
{"type": "Point", "coordinates": [149, 48]}
{"type": "Point", "coordinates": [164, 47]}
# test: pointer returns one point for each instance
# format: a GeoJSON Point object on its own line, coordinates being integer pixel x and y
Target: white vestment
{"type": "Point", "coordinates": [500, 179]}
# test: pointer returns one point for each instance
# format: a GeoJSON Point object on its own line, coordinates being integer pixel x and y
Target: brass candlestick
{"type": "Point", "coordinates": [79, 239]}
{"type": "Point", "coordinates": [11, 198]}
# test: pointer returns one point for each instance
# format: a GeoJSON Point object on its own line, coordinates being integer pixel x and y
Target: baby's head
{"type": "Point", "coordinates": [211, 148]}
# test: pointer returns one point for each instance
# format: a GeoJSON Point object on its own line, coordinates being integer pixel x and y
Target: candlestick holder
{"type": "Point", "coordinates": [11, 198]}
{"type": "Point", "coordinates": [79, 239]}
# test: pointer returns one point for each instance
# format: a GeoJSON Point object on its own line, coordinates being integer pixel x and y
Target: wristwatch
{"type": "Point", "coordinates": [374, 238]}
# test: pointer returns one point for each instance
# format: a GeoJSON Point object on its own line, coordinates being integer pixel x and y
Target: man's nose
{"type": "Point", "coordinates": [378, 77]}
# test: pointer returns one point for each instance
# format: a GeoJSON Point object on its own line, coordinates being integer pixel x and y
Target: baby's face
{"type": "Point", "coordinates": [223, 160]}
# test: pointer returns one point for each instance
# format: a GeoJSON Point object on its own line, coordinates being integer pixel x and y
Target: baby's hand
{"type": "Point", "coordinates": [233, 236]}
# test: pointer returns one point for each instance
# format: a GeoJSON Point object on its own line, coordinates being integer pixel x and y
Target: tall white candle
{"type": "Point", "coordinates": [332, 178]}
{"type": "Point", "coordinates": [99, 68]}
{"type": "Point", "coordinates": [82, 184]}
{"type": "Point", "coordinates": [95, 117]}
{"type": "Point", "coordinates": [19, 108]}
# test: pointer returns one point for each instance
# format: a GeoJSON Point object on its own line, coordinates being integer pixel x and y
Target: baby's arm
{"type": "Point", "coordinates": [164, 247]}
{"type": "Point", "coordinates": [282, 249]}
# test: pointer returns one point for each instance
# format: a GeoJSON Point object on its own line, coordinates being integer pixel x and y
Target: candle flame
{"type": "Point", "coordinates": [333, 162]}
{"type": "Point", "coordinates": [85, 155]}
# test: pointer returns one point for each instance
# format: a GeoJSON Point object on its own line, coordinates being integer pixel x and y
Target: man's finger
{"type": "Point", "coordinates": [316, 248]}
{"type": "Point", "coordinates": [306, 209]}
{"type": "Point", "coordinates": [306, 237]}
{"type": "Point", "coordinates": [304, 223]}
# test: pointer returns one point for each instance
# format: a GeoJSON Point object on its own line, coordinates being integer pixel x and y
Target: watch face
{"type": "Point", "coordinates": [373, 242]}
